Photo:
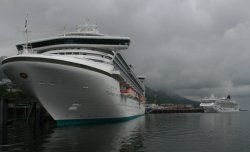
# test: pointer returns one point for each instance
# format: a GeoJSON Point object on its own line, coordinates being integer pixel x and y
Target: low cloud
{"type": "Point", "coordinates": [191, 47]}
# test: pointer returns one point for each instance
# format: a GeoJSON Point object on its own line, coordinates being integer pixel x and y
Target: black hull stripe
{"type": "Point", "coordinates": [54, 61]}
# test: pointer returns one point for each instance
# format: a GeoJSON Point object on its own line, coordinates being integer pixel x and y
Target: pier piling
{"type": "Point", "coordinates": [3, 112]}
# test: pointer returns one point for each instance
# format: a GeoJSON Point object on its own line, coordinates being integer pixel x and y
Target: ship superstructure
{"type": "Point", "coordinates": [214, 104]}
{"type": "Point", "coordinates": [79, 76]}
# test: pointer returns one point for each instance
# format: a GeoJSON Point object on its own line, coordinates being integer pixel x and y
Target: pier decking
{"type": "Point", "coordinates": [194, 110]}
{"type": "Point", "coordinates": [172, 108]}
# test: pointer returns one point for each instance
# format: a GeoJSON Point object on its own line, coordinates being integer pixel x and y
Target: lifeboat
{"type": "Point", "coordinates": [127, 90]}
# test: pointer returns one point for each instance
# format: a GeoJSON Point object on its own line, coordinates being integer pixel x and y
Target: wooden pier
{"type": "Point", "coordinates": [30, 112]}
{"type": "Point", "coordinates": [3, 112]}
{"type": "Point", "coordinates": [165, 110]}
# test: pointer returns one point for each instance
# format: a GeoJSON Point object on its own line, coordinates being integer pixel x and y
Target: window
{"type": "Point", "coordinates": [82, 53]}
{"type": "Point", "coordinates": [76, 41]}
{"type": "Point", "coordinates": [107, 57]}
{"type": "Point", "coordinates": [96, 60]}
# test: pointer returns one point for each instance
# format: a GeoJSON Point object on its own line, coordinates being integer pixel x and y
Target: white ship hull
{"type": "Point", "coordinates": [73, 95]}
{"type": "Point", "coordinates": [214, 107]}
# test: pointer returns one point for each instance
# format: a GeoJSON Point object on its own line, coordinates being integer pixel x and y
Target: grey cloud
{"type": "Point", "coordinates": [191, 47]}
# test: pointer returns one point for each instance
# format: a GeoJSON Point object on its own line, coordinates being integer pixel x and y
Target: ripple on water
{"type": "Point", "coordinates": [197, 132]}
{"type": "Point", "coordinates": [156, 132]}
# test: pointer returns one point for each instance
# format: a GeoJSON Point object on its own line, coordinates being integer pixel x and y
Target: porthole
{"type": "Point", "coordinates": [23, 75]}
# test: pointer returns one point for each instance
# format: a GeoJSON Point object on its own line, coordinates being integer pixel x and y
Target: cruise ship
{"type": "Point", "coordinates": [79, 77]}
{"type": "Point", "coordinates": [214, 104]}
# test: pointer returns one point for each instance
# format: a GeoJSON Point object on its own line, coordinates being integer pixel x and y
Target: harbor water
{"type": "Point", "coordinates": [177, 132]}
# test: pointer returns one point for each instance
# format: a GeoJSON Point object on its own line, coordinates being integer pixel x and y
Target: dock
{"type": "Point", "coordinates": [3, 112]}
{"type": "Point", "coordinates": [172, 108]}
{"type": "Point", "coordinates": [165, 110]}
{"type": "Point", "coordinates": [30, 112]}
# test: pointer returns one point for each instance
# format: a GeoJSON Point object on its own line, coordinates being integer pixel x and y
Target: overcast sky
{"type": "Point", "coordinates": [191, 47]}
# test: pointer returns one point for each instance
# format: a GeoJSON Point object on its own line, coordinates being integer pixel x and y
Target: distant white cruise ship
{"type": "Point", "coordinates": [213, 104]}
{"type": "Point", "coordinates": [79, 77]}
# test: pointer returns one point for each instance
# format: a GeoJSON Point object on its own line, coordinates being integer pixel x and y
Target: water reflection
{"type": "Point", "coordinates": [206, 132]}
{"type": "Point", "coordinates": [22, 137]}
{"type": "Point", "coordinates": [224, 132]}
{"type": "Point", "coordinates": [225, 120]}
{"type": "Point", "coordinates": [125, 136]}
{"type": "Point", "coordinates": [3, 138]}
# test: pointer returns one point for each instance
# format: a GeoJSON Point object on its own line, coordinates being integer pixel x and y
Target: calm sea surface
{"type": "Point", "coordinates": [204, 132]}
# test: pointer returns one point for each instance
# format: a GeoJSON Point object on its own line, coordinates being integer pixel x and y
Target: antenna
{"type": "Point", "coordinates": [26, 30]}
{"type": "Point", "coordinates": [64, 31]}
{"type": "Point", "coordinates": [26, 33]}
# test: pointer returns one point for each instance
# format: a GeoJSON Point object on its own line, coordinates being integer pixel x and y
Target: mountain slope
{"type": "Point", "coordinates": [160, 97]}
